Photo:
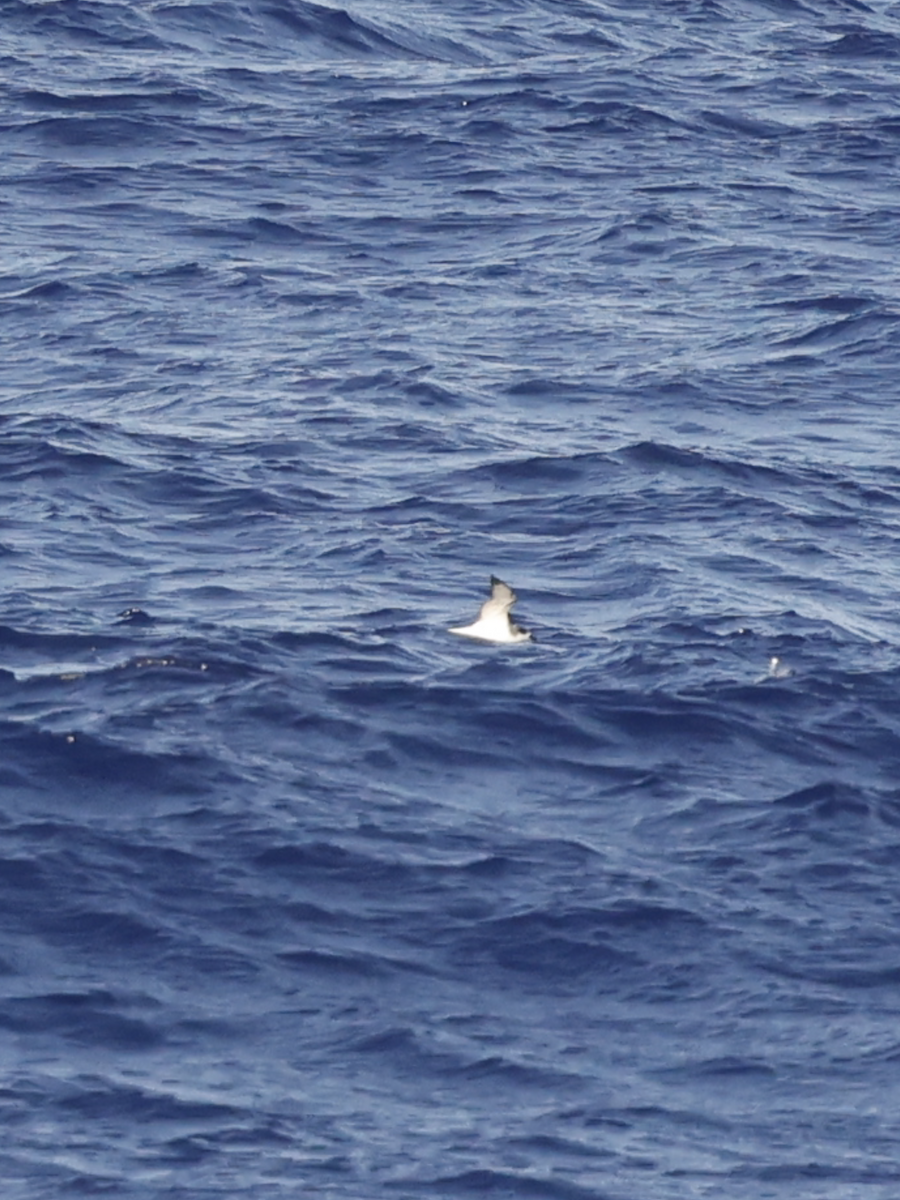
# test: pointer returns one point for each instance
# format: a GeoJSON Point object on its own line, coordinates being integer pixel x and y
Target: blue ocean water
{"type": "Point", "coordinates": [312, 319]}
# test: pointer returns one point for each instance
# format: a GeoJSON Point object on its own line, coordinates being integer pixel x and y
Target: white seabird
{"type": "Point", "coordinates": [493, 624]}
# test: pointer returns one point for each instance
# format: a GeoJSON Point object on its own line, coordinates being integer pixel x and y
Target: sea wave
{"type": "Point", "coordinates": [319, 317]}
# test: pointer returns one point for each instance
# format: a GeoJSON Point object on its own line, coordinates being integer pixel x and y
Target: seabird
{"type": "Point", "coordinates": [493, 624]}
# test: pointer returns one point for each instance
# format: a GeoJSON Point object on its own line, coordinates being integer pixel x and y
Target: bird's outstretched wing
{"type": "Point", "coordinates": [501, 601]}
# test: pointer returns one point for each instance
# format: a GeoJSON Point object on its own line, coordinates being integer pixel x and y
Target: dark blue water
{"type": "Point", "coordinates": [312, 319]}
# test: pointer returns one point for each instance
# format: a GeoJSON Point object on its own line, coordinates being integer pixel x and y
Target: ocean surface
{"type": "Point", "coordinates": [313, 318]}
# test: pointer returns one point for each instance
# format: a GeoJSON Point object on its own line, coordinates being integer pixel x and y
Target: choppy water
{"type": "Point", "coordinates": [313, 318]}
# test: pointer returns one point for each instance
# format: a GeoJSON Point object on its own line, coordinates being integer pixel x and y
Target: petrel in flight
{"type": "Point", "coordinates": [493, 624]}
